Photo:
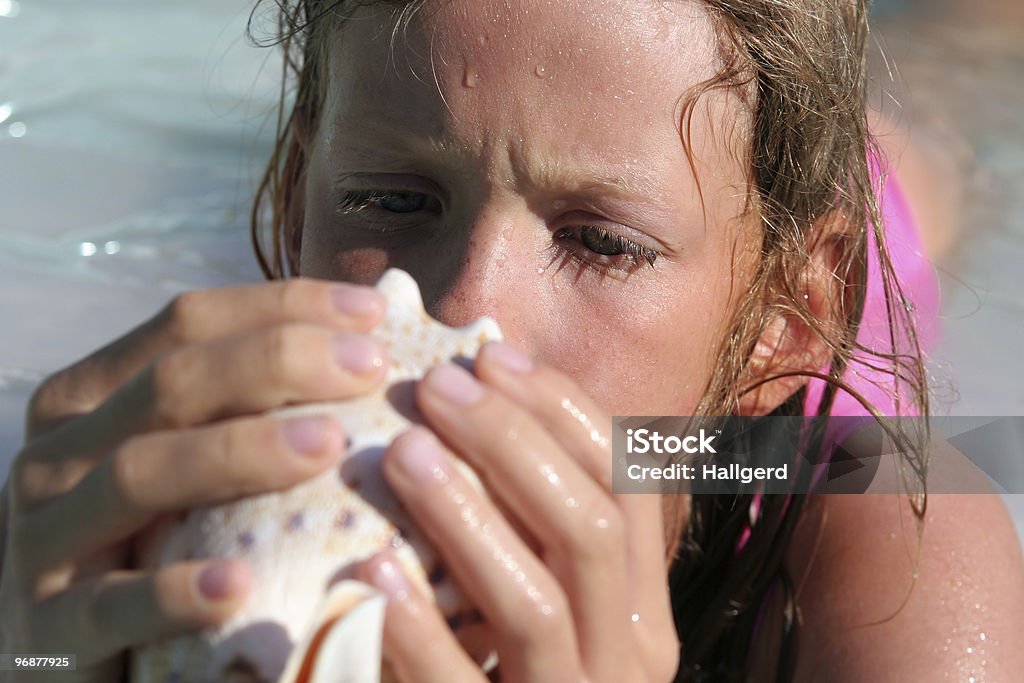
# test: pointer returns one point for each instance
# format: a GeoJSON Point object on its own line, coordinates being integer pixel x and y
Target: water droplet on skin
{"type": "Point", "coordinates": [471, 79]}
{"type": "Point", "coordinates": [539, 71]}
{"type": "Point", "coordinates": [482, 40]}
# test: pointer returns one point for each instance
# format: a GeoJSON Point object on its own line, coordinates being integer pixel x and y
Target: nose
{"type": "Point", "coordinates": [478, 270]}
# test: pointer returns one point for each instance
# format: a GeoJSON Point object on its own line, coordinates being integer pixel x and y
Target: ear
{"type": "Point", "coordinates": [788, 344]}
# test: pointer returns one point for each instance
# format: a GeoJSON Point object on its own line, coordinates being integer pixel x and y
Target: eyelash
{"type": "Point", "coordinates": [635, 254]}
{"type": "Point", "coordinates": [359, 200]}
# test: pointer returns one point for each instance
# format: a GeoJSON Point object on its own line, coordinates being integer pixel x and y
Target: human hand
{"type": "Point", "coordinates": [570, 578]}
{"type": "Point", "coordinates": [164, 419]}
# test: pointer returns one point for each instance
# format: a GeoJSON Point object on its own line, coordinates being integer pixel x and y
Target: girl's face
{"type": "Point", "coordinates": [525, 160]}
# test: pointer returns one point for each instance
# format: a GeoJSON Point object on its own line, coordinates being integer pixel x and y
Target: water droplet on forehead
{"type": "Point", "coordinates": [539, 71]}
{"type": "Point", "coordinates": [471, 78]}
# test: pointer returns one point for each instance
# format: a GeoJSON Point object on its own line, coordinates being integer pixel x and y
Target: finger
{"type": "Point", "coordinates": [576, 521]}
{"type": "Point", "coordinates": [196, 384]}
{"type": "Point", "coordinates": [411, 622]}
{"type": "Point", "coordinates": [168, 471]}
{"type": "Point", "coordinates": [98, 619]}
{"type": "Point", "coordinates": [583, 430]}
{"type": "Point", "coordinates": [516, 593]}
{"type": "Point", "coordinates": [199, 317]}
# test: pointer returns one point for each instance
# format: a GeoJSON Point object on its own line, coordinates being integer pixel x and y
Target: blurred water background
{"type": "Point", "coordinates": [132, 132]}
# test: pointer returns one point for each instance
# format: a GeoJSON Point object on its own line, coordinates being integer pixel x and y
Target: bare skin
{"type": "Point", "coordinates": [169, 417]}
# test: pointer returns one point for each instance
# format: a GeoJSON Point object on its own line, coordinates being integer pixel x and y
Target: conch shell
{"type": "Point", "coordinates": [307, 621]}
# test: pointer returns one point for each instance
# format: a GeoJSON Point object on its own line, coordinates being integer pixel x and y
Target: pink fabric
{"type": "Point", "coordinates": [916, 275]}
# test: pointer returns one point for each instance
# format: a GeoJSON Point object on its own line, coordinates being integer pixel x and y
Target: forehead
{"type": "Point", "coordinates": [601, 81]}
{"type": "Point", "coordinates": [634, 53]}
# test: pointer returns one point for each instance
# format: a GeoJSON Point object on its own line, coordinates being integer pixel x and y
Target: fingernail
{"type": "Point", "coordinates": [419, 455]}
{"type": "Point", "coordinates": [389, 578]}
{"type": "Point", "coordinates": [455, 384]}
{"type": "Point", "coordinates": [357, 302]}
{"type": "Point", "coordinates": [508, 357]}
{"type": "Point", "coordinates": [218, 581]}
{"type": "Point", "coordinates": [306, 435]}
{"type": "Point", "coordinates": [357, 354]}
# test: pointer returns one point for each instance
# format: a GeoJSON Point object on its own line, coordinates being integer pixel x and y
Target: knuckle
{"type": "Point", "coordinates": [229, 448]}
{"type": "Point", "coordinates": [541, 620]}
{"type": "Point", "coordinates": [166, 376]}
{"type": "Point", "coordinates": [183, 316]}
{"type": "Point", "coordinates": [600, 530]}
{"type": "Point", "coordinates": [284, 353]}
{"type": "Point", "coordinates": [295, 293]}
{"type": "Point", "coordinates": [43, 400]}
{"type": "Point", "coordinates": [229, 444]}
{"type": "Point", "coordinates": [60, 396]}
{"type": "Point", "coordinates": [32, 479]}
{"type": "Point", "coordinates": [126, 472]}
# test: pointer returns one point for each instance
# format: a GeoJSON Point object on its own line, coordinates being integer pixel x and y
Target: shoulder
{"type": "Point", "coordinates": [882, 597]}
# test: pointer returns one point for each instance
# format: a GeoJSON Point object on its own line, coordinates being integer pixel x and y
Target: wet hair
{"type": "Point", "coordinates": [800, 68]}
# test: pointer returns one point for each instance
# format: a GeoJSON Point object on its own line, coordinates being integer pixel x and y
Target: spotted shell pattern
{"type": "Point", "coordinates": [301, 543]}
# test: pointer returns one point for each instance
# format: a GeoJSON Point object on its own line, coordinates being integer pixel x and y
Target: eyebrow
{"type": "Point", "coordinates": [554, 174]}
{"type": "Point", "coordinates": [548, 175]}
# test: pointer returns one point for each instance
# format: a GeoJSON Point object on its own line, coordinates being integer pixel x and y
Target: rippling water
{"type": "Point", "coordinates": [131, 132]}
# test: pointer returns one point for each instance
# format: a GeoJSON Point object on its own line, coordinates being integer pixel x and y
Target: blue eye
{"type": "Point", "coordinates": [390, 201]}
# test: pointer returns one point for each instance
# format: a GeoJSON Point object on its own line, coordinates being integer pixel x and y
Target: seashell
{"type": "Point", "coordinates": [307, 620]}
